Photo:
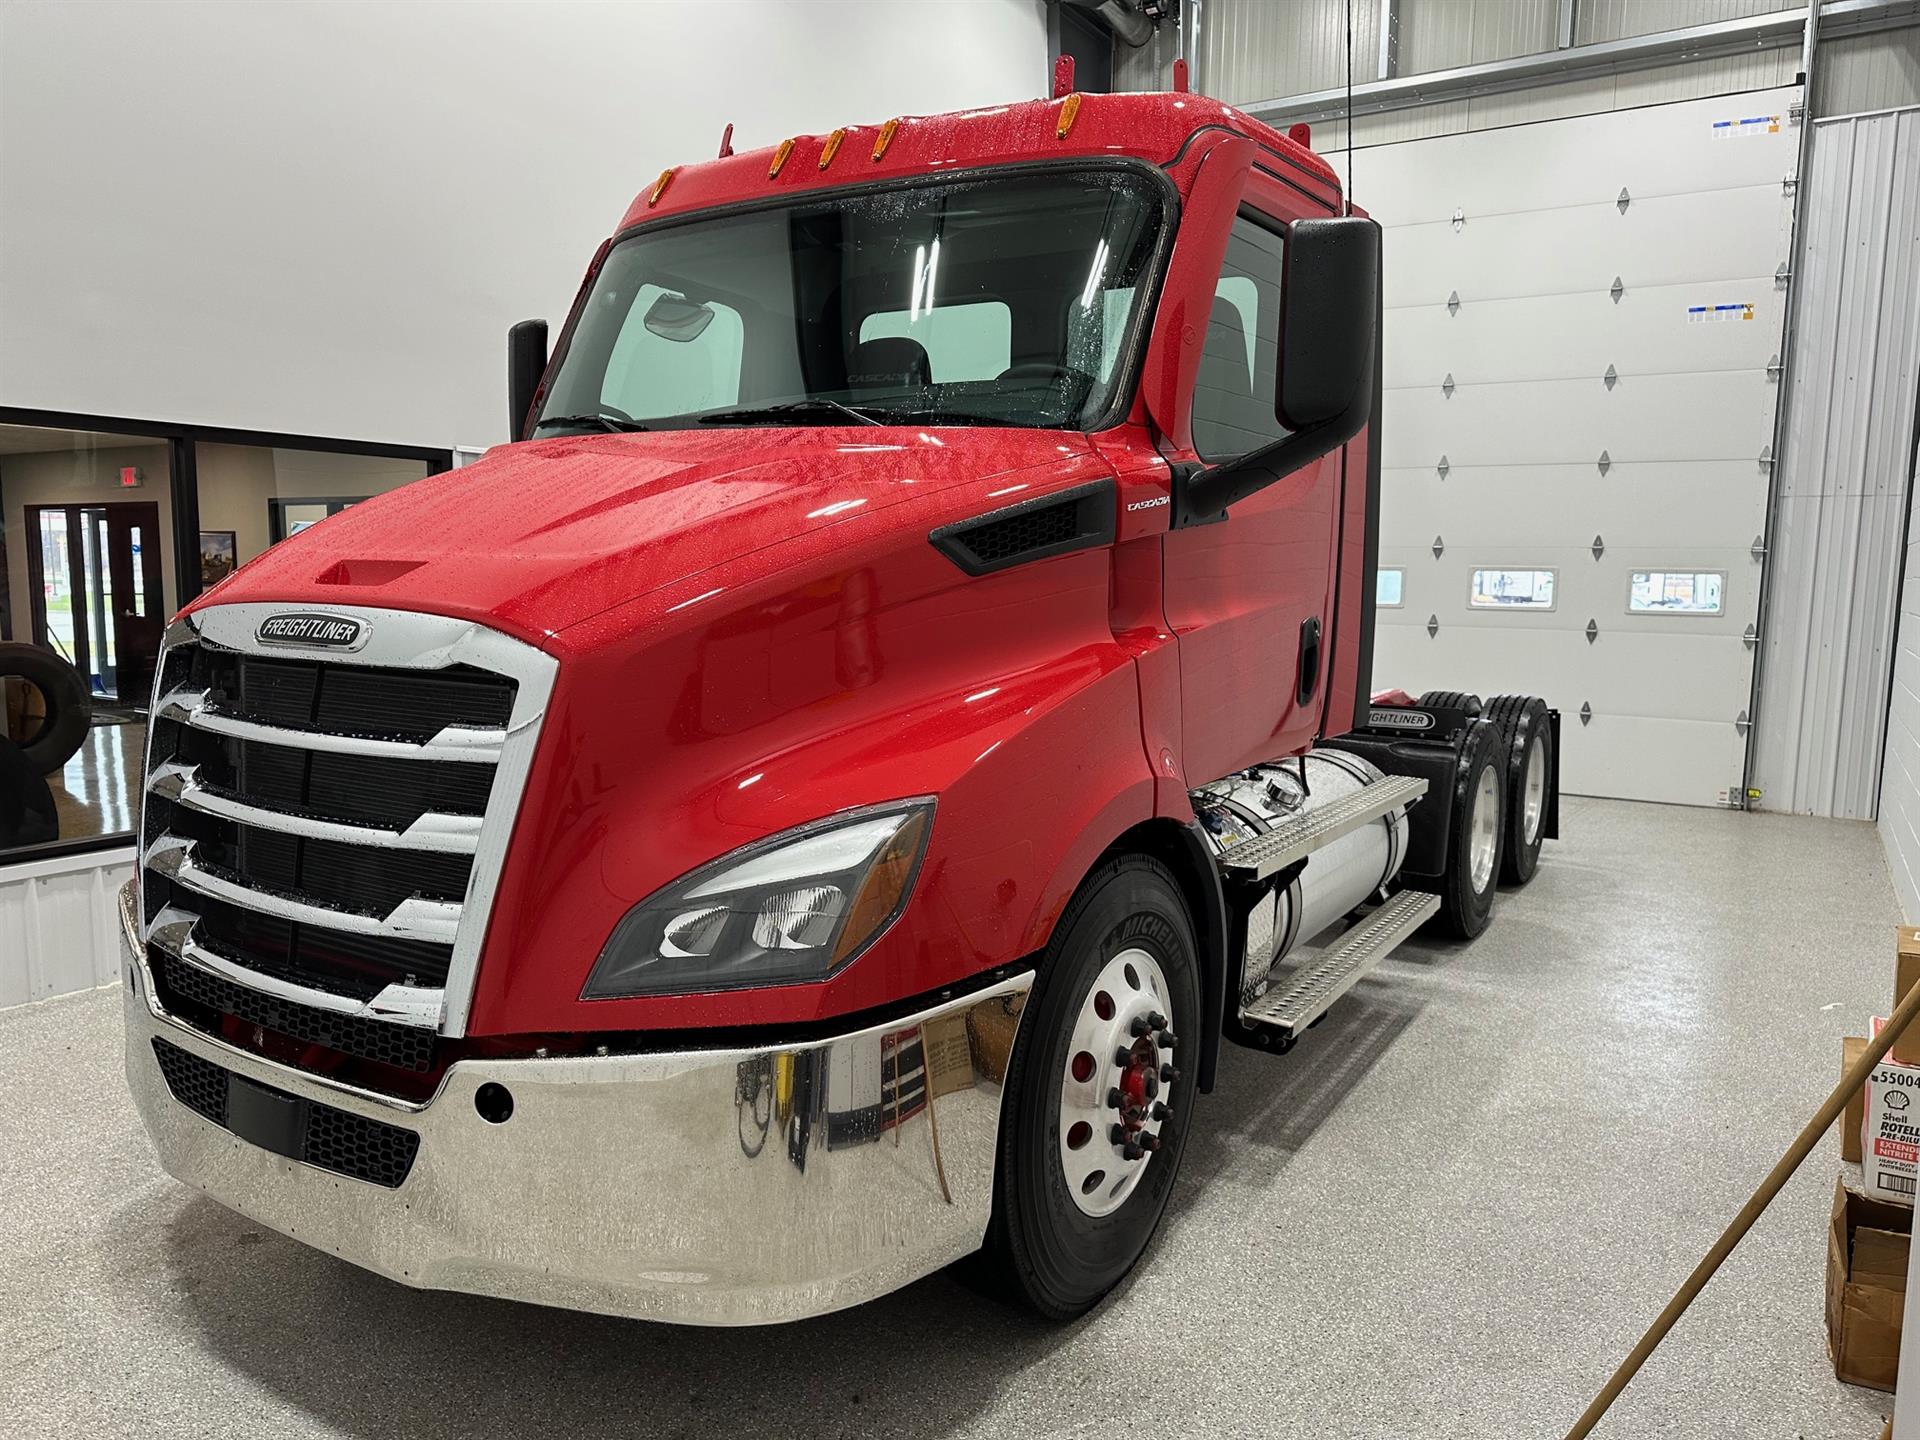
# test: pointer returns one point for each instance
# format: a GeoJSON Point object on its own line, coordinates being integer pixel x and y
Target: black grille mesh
{"type": "Point", "coordinates": [198, 1084]}
{"type": "Point", "coordinates": [352, 699]}
{"type": "Point", "coordinates": [200, 999]}
{"type": "Point", "coordinates": [335, 1140]}
{"type": "Point", "coordinates": [353, 1145]}
{"type": "Point", "coordinates": [999, 540]}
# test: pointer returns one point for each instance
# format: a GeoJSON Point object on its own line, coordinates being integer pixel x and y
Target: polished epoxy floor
{"type": "Point", "coordinates": [1447, 1214]}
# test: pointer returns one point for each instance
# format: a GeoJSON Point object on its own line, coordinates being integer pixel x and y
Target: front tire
{"type": "Point", "coordinates": [1080, 1184]}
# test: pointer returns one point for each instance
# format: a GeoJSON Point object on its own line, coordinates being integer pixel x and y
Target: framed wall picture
{"type": "Point", "coordinates": [219, 554]}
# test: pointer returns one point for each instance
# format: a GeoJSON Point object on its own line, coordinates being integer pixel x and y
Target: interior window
{"type": "Point", "coordinates": [658, 367]}
{"type": "Point", "coordinates": [963, 342]}
{"type": "Point", "coordinates": [1239, 363]}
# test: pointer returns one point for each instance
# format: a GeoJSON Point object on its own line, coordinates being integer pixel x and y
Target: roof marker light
{"type": "Point", "coordinates": [886, 138]}
{"type": "Point", "coordinates": [779, 159]}
{"type": "Point", "coordinates": [726, 141]}
{"type": "Point", "coordinates": [1062, 75]}
{"type": "Point", "coordinates": [1180, 75]}
{"type": "Point", "coordinates": [660, 186]}
{"type": "Point", "coordinates": [1069, 111]}
{"type": "Point", "coordinates": [832, 147]}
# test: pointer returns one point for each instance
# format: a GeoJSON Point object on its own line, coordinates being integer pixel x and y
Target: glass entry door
{"type": "Point", "coordinates": [96, 592]}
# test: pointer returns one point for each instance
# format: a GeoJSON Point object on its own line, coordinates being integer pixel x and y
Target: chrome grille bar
{"type": "Point", "coordinates": [413, 919]}
{"type": "Point", "coordinates": [450, 834]}
{"type": "Point", "coordinates": [173, 931]}
{"type": "Point", "coordinates": [195, 708]}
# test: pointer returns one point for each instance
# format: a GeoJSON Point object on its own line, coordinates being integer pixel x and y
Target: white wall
{"type": "Point", "coordinates": [320, 218]}
{"type": "Point", "coordinates": [59, 930]}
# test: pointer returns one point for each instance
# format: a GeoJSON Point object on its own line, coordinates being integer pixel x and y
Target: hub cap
{"type": "Point", "coordinates": [1535, 805]}
{"type": "Point", "coordinates": [1483, 829]}
{"type": "Point", "coordinates": [1115, 1089]}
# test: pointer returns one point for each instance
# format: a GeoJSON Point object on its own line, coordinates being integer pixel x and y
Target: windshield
{"type": "Point", "coordinates": [1003, 301]}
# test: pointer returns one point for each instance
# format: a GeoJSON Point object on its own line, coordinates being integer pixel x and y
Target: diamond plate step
{"type": "Point", "coordinates": [1299, 837]}
{"type": "Point", "coordinates": [1310, 994]}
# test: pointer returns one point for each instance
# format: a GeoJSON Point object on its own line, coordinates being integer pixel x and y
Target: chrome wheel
{"type": "Point", "coordinates": [1115, 1084]}
{"type": "Point", "coordinates": [1483, 834]}
{"type": "Point", "coordinates": [1534, 796]}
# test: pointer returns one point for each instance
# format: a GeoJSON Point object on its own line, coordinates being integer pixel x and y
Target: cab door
{"type": "Point", "coordinates": [1249, 596]}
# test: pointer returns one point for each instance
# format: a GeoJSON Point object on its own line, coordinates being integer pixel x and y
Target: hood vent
{"type": "Point", "coordinates": [1036, 529]}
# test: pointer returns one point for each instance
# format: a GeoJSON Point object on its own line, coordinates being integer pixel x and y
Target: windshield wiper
{"type": "Point", "coordinates": [817, 406]}
{"type": "Point", "coordinates": [597, 422]}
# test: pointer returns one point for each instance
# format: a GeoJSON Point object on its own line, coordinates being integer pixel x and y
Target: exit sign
{"type": "Point", "coordinates": [131, 478]}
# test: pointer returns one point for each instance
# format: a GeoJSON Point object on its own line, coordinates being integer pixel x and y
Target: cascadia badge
{"type": "Point", "coordinates": [330, 632]}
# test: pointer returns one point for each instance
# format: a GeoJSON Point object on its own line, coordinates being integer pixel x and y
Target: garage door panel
{"type": "Point", "coordinates": [1652, 332]}
{"type": "Point", "coordinates": [1688, 676]}
{"type": "Point", "coordinates": [1538, 252]}
{"type": "Point", "coordinates": [1697, 416]}
{"type": "Point", "coordinates": [1584, 589]}
{"type": "Point", "coordinates": [1699, 504]}
{"type": "Point", "coordinates": [1684, 427]}
{"type": "Point", "coordinates": [1581, 161]}
{"type": "Point", "coordinates": [1628, 757]}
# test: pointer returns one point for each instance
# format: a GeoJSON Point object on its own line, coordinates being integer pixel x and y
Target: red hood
{"type": "Point", "coordinates": [538, 537]}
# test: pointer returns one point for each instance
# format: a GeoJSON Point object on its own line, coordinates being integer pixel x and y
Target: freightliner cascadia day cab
{"type": "Point", "coordinates": [812, 808]}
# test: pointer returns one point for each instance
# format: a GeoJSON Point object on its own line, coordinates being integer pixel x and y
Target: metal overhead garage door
{"type": "Point", "coordinates": [1581, 315]}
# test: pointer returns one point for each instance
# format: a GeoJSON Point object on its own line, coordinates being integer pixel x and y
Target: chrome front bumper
{"type": "Point", "coordinates": [713, 1187]}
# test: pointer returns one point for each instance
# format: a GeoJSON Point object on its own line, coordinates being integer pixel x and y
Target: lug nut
{"type": "Point", "coordinates": [1164, 1039]}
{"type": "Point", "coordinates": [1151, 1087]}
{"type": "Point", "coordinates": [1169, 1074]}
{"type": "Point", "coordinates": [1132, 1152]}
{"type": "Point", "coordinates": [1115, 1100]}
{"type": "Point", "coordinates": [1142, 1024]}
{"type": "Point", "coordinates": [1148, 1142]}
{"type": "Point", "coordinates": [1118, 1135]}
{"type": "Point", "coordinates": [1157, 1020]}
{"type": "Point", "coordinates": [1160, 1111]}
{"type": "Point", "coordinates": [1123, 1057]}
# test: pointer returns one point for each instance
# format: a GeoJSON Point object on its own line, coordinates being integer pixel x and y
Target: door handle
{"type": "Point", "coordinates": [1309, 659]}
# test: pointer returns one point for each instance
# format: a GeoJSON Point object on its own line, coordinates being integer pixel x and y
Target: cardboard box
{"type": "Point", "coordinates": [1867, 1244]}
{"type": "Point", "coordinates": [1854, 1116]}
{"type": "Point", "coordinates": [1906, 970]}
{"type": "Point", "coordinates": [1890, 1130]}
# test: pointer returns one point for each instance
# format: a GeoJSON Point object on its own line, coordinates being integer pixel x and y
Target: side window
{"type": "Point", "coordinates": [972, 341]}
{"type": "Point", "coordinates": [1239, 363]}
{"type": "Point", "coordinates": [653, 371]}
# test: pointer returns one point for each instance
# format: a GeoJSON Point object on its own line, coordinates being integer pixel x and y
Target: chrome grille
{"type": "Point", "coordinates": [328, 827]}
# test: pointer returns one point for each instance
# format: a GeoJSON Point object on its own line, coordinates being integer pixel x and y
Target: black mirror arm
{"type": "Point", "coordinates": [1202, 495]}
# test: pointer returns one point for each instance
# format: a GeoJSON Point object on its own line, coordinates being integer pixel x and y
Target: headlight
{"type": "Point", "coordinates": [784, 910]}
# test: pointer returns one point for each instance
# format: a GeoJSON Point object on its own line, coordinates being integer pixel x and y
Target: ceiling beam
{"type": "Point", "coordinates": [1745, 36]}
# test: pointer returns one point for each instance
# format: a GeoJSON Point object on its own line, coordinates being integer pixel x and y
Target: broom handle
{"type": "Point", "coordinates": [1803, 1144]}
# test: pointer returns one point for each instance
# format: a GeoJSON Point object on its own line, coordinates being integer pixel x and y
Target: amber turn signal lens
{"type": "Point", "coordinates": [885, 885]}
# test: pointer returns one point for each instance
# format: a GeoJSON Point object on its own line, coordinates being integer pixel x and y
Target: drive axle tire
{"type": "Point", "coordinates": [1450, 700]}
{"type": "Point", "coordinates": [1080, 1181]}
{"type": "Point", "coordinates": [69, 705]}
{"type": "Point", "coordinates": [1475, 825]}
{"type": "Point", "coordinates": [1526, 739]}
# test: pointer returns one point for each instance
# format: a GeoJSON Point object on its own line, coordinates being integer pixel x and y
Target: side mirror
{"type": "Point", "coordinates": [526, 363]}
{"type": "Point", "coordinates": [1329, 309]}
{"type": "Point", "coordinates": [1329, 349]}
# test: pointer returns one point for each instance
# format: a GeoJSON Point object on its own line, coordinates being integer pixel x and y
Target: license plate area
{"type": "Point", "coordinates": [267, 1118]}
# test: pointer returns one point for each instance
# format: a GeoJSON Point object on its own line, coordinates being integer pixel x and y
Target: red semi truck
{"type": "Point", "coordinates": [814, 806]}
